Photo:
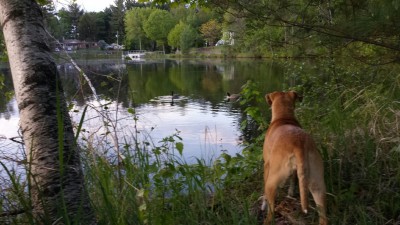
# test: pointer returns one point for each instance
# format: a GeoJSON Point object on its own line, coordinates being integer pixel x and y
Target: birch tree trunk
{"type": "Point", "coordinates": [55, 175]}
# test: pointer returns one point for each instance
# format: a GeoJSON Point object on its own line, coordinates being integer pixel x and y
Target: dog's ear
{"type": "Point", "coordinates": [268, 98]}
{"type": "Point", "coordinates": [296, 96]}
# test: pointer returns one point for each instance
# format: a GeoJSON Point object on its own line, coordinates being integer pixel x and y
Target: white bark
{"type": "Point", "coordinates": [57, 185]}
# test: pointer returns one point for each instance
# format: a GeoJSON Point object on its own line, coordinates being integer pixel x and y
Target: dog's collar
{"type": "Point", "coordinates": [284, 121]}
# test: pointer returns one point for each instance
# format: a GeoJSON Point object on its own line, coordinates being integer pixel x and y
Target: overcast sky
{"type": "Point", "coordinates": [87, 5]}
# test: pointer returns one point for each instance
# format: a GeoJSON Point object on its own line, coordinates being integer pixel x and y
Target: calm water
{"type": "Point", "coordinates": [200, 115]}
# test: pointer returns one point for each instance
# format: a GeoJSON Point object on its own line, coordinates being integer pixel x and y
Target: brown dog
{"type": "Point", "coordinates": [287, 149]}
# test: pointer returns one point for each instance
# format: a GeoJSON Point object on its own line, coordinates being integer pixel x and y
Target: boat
{"type": "Point", "coordinates": [135, 55]}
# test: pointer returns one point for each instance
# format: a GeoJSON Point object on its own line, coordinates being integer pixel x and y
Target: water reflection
{"type": "Point", "coordinates": [206, 122]}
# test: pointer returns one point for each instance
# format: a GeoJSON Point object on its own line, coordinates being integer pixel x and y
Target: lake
{"type": "Point", "coordinates": [134, 102]}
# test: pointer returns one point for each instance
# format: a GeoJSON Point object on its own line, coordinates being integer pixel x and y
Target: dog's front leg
{"type": "Point", "coordinates": [264, 197]}
{"type": "Point", "coordinates": [269, 194]}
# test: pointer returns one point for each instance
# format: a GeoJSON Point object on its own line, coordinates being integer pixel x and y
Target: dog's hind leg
{"type": "Point", "coordinates": [318, 193]}
{"type": "Point", "coordinates": [292, 181]}
{"type": "Point", "coordinates": [302, 175]}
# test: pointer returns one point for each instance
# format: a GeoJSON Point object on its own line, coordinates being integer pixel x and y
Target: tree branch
{"type": "Point", "coordinates": [12, 213]}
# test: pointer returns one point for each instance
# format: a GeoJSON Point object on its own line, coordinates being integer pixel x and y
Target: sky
{"type": "Point", "coordinates": [87, 5]}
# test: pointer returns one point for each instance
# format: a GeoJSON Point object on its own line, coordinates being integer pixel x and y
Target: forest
{"type": "Point", "coordinates": [342, 55]}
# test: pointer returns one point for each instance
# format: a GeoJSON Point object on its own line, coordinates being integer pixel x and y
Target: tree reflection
{"type": "Point", "coordinates": [204, 82]}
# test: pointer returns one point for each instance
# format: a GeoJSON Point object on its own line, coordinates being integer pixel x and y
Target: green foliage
{"type": "Point", "coordinates": [211, 31]}
{"type": "Point", "coordinates": [117, 19]}
{"type": "Point", "coordinates": [18, 195]}
{"type": "Point", "coordinates": [174, 36]}
{"type": "Point", "coordinates": [188, 38]}
{"type": "Point", "coordinates": [43, 2]}
{"type": "Point", "coordinates": [175, 3]}
{"type": "Point", "coordinates": [74, 14]}
{"type": "Point", "coordinates": [6, 91]}
{"type": "Point", "coordinates": [292, 28]}
{"type": "Point", "coordinates": [158, 25]}
{"type": "Point", "coordinates": [254, 105]}
{"type": "Point", "coordinates": [3, 52]}
{"type": "Point", "coordinates": [70, 21]}
{"type": "Point", "coordinates": [365, 30]}
{"type": "Point", "coordinates": [182, 36]}
{"type": "Point", "coordinates": [197, 16]}
{"type": "Point", "coordinates": [65, 23]}
{"type": "Point", "coordinates": [180, 12]}
{"type": "Point", "coordinates": [351, 110]}
{"type": "Point", "coordinates": [153, 185]}
{"type": "Point", "coordinates": [87, 27]}
{"type": "Point", "coordinates": [134, 22]}
{"type": "Point", "coordinates": [141, 28]}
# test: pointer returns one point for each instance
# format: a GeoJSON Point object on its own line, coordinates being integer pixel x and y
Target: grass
{"type": "Point", "coordinates": [353, 111]}
{"type": "Point", "coordinates": [154, 185]}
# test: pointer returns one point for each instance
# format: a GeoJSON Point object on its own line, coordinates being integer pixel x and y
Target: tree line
{"type": "Point", "coordinates": [136, 25]}
{"type": "Point", "coordinates": [261, 28]}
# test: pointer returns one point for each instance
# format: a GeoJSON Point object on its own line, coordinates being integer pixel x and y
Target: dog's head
{"type": "Point", "coordinates": [282, 104]}
{"type": "Point", "coordinates": [283, 100]}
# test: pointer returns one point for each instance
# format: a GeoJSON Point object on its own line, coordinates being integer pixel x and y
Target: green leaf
{"type": "Point", "coordinates": [141, 193]}
{"type": "Point", "coordinates": [71, 106]}
{"type": "Point", "coordinates": [131, 111]}
{"type": "Point", "coordinates": [143, 207]}
{"type": "Point", "coordinates": [179, 147]}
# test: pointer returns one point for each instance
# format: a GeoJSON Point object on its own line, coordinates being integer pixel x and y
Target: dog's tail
{"type": "Point", "coordinates": [302, 174]}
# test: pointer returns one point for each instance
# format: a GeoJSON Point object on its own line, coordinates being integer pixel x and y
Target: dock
{"type": "Point", "coordinates": [138, 55]}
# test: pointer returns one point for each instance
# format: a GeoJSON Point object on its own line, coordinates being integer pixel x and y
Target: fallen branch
{"type": "Point", "coordinates": [16, 141]}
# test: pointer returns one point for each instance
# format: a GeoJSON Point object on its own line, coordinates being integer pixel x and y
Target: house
{"type": "Point", "coordinates": [74, 44]}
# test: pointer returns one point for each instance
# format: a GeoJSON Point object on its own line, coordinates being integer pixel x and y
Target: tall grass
{"type": "Point", "coordinates": [353, 111]}
{"type": "Point", "coordinates": [154, 185]}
